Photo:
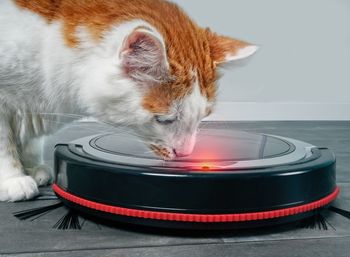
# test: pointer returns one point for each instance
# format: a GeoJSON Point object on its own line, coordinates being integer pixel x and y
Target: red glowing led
{"type": "Point", "coordinates": [206, 167]}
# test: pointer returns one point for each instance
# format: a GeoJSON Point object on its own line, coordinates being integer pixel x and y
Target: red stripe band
{"type": "Point", "coordinates": [205, 218]}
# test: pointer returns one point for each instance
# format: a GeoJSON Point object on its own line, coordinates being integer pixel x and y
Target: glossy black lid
{"type": "Point", "coordinates": [218, 149]}
{"type": "Point", "coordinates": [212, 145]}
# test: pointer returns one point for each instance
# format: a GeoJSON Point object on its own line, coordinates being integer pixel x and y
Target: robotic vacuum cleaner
{"type": "Point", "coordinates": [233, 179]}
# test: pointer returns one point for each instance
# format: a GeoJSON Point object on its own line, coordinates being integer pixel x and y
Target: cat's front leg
{"type": "Point", "coordinates": [14, 184]}
{"type": "Point", "coordinates": [33, 162]}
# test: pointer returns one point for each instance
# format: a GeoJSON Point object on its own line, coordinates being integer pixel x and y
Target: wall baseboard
{"type": "Point", "coordinates": [249, 111]}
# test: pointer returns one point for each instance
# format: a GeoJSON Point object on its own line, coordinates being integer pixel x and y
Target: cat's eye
{"type": "Point", "coordinates": [165, 120]}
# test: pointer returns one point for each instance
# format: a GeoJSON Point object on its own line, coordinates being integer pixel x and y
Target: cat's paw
{"type": "Point", "coordinates": [18, 188]}
{"type": "Point", "coordinates": [42, 174]}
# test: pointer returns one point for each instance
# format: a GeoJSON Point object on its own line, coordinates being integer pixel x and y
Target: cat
{"type": "Point", "coordinates": [143, 64]}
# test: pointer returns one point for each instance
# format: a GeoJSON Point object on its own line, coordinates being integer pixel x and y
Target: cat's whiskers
{"type": "Point", "coordinates": [76, 117]}
{"type": "Point", "coordinates": [69, 115]}
{"type": "Point", "coordinates": [148, 152]}
{"type": "Point", "coordinates": [94, 130]}
{"type": "Point", "coordinates": [109, 129]}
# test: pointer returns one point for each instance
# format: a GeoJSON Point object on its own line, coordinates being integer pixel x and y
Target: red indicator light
{"type": "Point", "coordinates": [205, 167]}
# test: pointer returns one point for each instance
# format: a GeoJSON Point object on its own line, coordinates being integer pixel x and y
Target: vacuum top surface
{"type": "Point", "coordinates": [216, 149]}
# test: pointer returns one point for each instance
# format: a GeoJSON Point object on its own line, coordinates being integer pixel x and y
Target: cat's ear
{"type": "Point", "coordinates": [225, 49]}
{"type": "Point", "coordinates": [144, 57]}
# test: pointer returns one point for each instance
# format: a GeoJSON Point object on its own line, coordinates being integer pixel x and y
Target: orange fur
{"type": "Point", "coordinates": [189, 47]}
{"type": "Point", "coordinates": [222, 45]}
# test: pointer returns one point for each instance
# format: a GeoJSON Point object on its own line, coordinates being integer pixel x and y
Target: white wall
{"type": "Point", "coordinates": [303, 68]}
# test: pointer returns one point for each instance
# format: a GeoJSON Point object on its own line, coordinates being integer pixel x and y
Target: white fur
{"type": "Point", "coordinates": [116, 97]}
{"type": "Point", "coordinates": [193, 110]}
{"type": "Point", "coordinates": [41, 174]}
{"type": "Point", "coordinates": [41, 78]}
{"type": "Point", "coordinates": [242, 53]}
{"type": "Point", "coordinates": [18, 188]}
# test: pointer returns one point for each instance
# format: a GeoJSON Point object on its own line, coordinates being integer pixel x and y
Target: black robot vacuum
{"type": "Point", "coordinates": [233, 179]}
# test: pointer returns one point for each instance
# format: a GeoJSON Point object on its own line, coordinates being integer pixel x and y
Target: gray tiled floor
{"type": "Point", "coordinates": [37, 238]}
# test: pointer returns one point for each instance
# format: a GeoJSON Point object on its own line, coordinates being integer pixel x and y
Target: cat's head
{"type": "Point", "coordinates": [140, 63]}
{"type": "Point", "coordinates": [159, 81]}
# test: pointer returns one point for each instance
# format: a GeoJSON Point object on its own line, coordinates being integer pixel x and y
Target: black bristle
{"type": "Point", "coordinates": [317, 221]}
{"type": "Point", "coordinates": [37, 212]}
{"type": "Point", "coordinates": [341, 212]}
{"type": "Point", "coordinates": [69, 221]}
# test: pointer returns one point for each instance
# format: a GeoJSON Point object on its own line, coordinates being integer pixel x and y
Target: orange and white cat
{"type": "Point", "coordinates": [140, 63]}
